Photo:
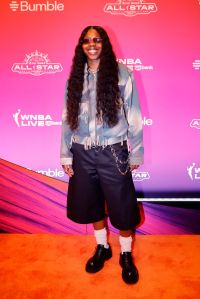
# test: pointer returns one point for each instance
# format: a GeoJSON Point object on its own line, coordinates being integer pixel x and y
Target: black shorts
{"type": "Point", "coordinates": [96, 179]}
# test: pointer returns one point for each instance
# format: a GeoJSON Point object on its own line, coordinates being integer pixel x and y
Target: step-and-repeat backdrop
{"type": "Point", "coordinates": [158, 40]}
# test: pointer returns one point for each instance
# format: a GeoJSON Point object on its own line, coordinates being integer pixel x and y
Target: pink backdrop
{"type": "Point", "coordinates": [159, 40]}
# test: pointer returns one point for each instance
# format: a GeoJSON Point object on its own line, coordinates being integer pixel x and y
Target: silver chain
{"type": "Point", "coordinates": [118, 161]}
{"type": "Point", "coordinates": [97, 148]}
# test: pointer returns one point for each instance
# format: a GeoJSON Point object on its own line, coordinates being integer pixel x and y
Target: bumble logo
{"type": "Point", "coordinates": [130, 8]}
{"type": "Point", "coordinates": [196, 64]}
{"type": "Point", "coordinates": [48, 6]}
{"type": "Point", "coordinates": [54, 173]}
{"type": "Point", "coordinates": [14, 6]}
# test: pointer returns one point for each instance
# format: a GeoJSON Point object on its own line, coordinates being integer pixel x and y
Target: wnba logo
{"type": "Point", "coordinates": [135, 64]}
{"type": "Point", "coordinates": [193, 172]}
{"type": "Point", "coordinates": [34, 120]}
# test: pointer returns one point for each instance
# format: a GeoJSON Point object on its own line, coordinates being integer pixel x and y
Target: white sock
{"type": "Point", "coordinates": [125, 243]}
{"type": "Point", "coordinates": [101, 237]}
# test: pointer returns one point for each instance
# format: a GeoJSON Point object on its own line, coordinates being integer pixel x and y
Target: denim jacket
{"type": "Point", "coordinates": [93, 132]}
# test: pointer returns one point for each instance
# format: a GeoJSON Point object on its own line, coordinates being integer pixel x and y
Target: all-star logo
{"type": "Point", "coordinates": [45, 6]}
{"type": "Point", "coordinates": [36, 64]}
{"type": "Point", "coordinates": [196, 64]}
{"type": "Point", "coordinates": [140, 176]}
{"type": "Point", "coordinates": [135, 64]}
{"type": "Point", "coordinates": [130, 8]}
{"type": "Point", "coordinates": [193, 172]}
{"type": "Point", "coordinates": [34, 120]}
{"type": "Point", "coordinates": [195, 123]}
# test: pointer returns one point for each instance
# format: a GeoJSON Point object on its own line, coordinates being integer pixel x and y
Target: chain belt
{"type": "Point", "coordinates": [118, 161]}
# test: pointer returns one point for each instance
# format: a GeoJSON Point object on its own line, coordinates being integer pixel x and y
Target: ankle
{"type": "Point", "coordinates": [101, 237]}
{"type": "Point", "coordinates": [125, 243]}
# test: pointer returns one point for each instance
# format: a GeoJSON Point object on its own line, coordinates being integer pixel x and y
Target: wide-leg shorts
{"type": "Point", "coordinates": [97, 179]}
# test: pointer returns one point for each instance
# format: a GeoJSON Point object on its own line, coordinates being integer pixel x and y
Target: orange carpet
{"type": "Point", "coordinates": [47, 266]}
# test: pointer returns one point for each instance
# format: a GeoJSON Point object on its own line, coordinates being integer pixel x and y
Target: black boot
{"type": "Point", "coordinates": [129, 271]}
{"type": "Point", "coordinates": [96, 262]}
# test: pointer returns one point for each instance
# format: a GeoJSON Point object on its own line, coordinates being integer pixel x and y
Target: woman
{"type": "Point", "coordinates": [101, 113]}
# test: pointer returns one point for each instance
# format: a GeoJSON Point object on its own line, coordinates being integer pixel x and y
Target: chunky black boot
{"type": "Point", "coordinates": [129, 271]}
{"type": "Point", "coordinates": [96, 262]}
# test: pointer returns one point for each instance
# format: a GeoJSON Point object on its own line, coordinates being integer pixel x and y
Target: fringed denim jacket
{"type": "Point", "coordinates": [94, 132]}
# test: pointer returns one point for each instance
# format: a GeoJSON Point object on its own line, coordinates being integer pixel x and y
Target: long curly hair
{"type": "Point", "coordinates": [107, 82]}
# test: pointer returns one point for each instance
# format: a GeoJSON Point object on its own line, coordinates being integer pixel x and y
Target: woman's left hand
{"type": "Point", "coordinates": [134, 167]}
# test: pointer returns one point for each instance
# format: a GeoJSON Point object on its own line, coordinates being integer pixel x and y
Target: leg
{"type": "Point", "coordinates": [125, 240]}
{"type": "Point", "coordinates": [99, 225]}
{"type": "Point", "coordinates": [121, 199]}
{"type": "Point", "coordinates": [85, 199]}
{"type": "Point", "coordinates": [118, 189]}
{"type": "Point", "coordinates": [126, 233]}
{"type": "Point", "coordinates": [100, 233]}
{"type": "Point", "coordinates": [103, 250]}
{"type": "Point", "coordinates": [129, 271]}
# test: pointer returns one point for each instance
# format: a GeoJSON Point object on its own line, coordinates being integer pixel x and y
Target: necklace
{"type": "Point", "coordinates": [93, 71]}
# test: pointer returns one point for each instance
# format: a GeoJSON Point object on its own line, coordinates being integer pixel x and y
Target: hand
{"type": "Point", "coordinates": [134, 167]}
{"type": "Point", "coordinates": [68, 170]}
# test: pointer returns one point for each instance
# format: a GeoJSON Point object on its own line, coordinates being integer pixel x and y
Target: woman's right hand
{"type": "Point", "coordinates": [68, 170]}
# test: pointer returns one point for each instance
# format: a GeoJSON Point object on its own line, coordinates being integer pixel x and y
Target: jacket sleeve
{"type": "Point", "coordinates": [134, 119]}
{"type": "Point", "coordinates": [66, 156]}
